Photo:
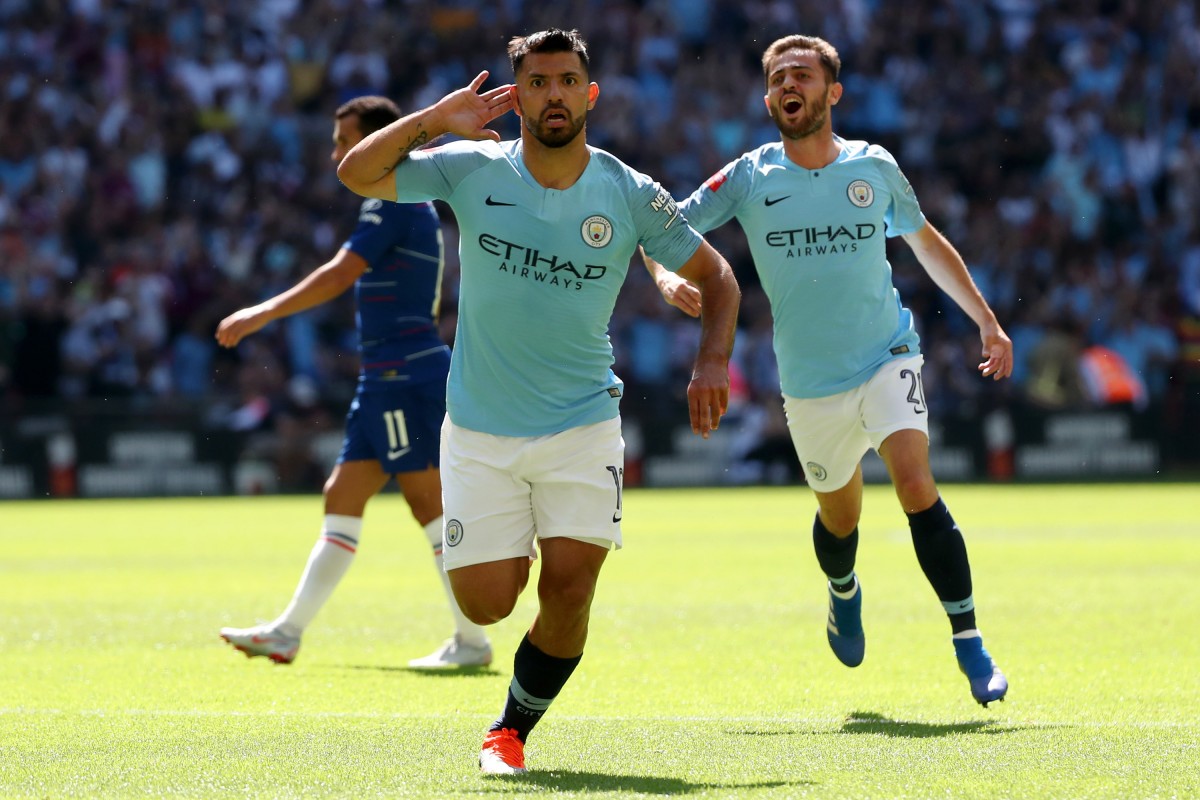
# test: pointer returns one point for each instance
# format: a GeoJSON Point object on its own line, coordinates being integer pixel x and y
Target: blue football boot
{"type": "Point", "coordinates": [844, 629]}
{"type": "Point", "coordinates": [987, 681]}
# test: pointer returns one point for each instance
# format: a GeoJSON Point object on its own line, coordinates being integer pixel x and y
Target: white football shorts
{"type": "Point", "coordinates": [832, 434]}
{"type": "Point", "coordinates": [502, 492]}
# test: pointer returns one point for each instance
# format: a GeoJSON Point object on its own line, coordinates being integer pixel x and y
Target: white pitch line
{"type": "Point", "coordinates": [809, 721]}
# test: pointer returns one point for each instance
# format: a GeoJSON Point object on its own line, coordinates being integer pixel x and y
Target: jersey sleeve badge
{"type": "Point", "coordinates": [716, 181]}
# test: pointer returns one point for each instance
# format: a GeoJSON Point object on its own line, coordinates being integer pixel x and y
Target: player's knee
{"type": "Point", "coordinates": [841, 522]}
{"type": "Point", "coordinates": [485, 602]}
{"type": "Point", "coordinates": [486, 610]}
{"type": "Point", "coordinates": [570, 595]}
{"type": "Point", "coordinates": [915, 492]}
{"type": "Point", "coordinates": [480, 616]}
{"type": "Point", "coordinates": [337, 489]}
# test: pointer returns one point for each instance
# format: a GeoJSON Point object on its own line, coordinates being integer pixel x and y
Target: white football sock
{"type": "Point", "coordinates": [467, 631]}
{"type": "Point", "coordinates": [330, 558]}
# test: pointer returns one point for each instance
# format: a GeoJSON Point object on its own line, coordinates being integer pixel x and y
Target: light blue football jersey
{"type": "Point", "coordinates": [818, 241]}
{"type": "Point", "coordinates": [541, 269]}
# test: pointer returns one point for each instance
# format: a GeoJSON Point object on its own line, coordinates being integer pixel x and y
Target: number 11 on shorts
{"type": "Point", "coordinates": [397, 433]}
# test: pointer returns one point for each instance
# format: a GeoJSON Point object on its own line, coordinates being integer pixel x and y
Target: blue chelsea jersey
{"type": "Point", "coordinates": [818, 242]}
{"type": "Point", "coordinates": [541, 269]}
{"type": "Point", "coordinates": [399, 294]}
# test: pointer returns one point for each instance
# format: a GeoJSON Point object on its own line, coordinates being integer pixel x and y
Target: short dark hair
{"type": "Point", "coordinates": [553, 40]}
{"type": "Point", "coordinates": [828, 54]}
{"type": "Point", "coordinates": [374, 112]}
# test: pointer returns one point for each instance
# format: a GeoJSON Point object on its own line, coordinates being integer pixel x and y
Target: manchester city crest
{"type": "Point", "coordinates": [860, 193]}
{"type": "Point", "coordinates": [597, 230]}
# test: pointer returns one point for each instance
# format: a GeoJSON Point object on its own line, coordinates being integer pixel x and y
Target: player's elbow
{"type": "Point", "coordinates": [349, 172]}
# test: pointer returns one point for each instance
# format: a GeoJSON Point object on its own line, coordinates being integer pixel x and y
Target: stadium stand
{"type": "Point", "coordinates": [161, 165]}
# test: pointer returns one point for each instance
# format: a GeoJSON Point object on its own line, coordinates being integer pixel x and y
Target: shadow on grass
{"type": "Point", "coordinates": [460, 672]}
{"type": "Point", "coordinates": [565, 780]}
{"type": "Point", "coordinates": [870, 722]}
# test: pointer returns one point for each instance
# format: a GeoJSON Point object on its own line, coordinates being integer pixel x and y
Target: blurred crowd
{"type": "Point", "coordinates": [165, 163]}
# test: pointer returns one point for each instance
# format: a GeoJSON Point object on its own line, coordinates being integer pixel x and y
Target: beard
{"type": "Point", "coordinates": [808, 124]}
{"type": "Point", "coordinates": [556, 137]}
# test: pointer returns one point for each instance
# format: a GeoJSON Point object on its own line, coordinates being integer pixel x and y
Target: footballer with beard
{"type": "Point", "coordinates": [531, 447]}
{"type": "Point", "coordinates": [816, 210]}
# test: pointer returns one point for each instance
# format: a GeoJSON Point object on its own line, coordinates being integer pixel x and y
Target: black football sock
{"type": "Point", "coordinates": [537, 680]}
{"type": "Point", "coordinates": [835, 555]}
{"type": "Point", "coordinates": [942, 554]}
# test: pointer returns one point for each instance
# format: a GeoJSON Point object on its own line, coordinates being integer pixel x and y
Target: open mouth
{"type": "Point", "coordinates": [791, 104]}
{"type": "Point", "coordinates": [555, 117]}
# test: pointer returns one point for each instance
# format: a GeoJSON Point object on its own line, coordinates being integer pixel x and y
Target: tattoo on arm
{"type": "Point", "coordinates": [421, 138]}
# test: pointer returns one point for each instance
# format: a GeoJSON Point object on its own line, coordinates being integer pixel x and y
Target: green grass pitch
{"type": "Point", "coordinates": [707, 674]}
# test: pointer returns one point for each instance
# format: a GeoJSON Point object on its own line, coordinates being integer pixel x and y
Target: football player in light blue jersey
{"type": "Point", "coordinates": [394, 261]}
{"type": "Point", "coordinates": [532, 447]}
{"type": "Point", "coordinates": [816, 210]}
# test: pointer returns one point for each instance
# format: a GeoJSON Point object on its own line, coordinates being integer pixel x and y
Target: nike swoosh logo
{"type": "Point", "coordinates": [394, 454]}
{"type": "Point", "coordinates": [770, 201]}
{"type": "Point", "coordinates": [492, 202]}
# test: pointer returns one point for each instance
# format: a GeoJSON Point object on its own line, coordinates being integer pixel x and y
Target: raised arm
{"type": "Point", "coordinates": [708, 391]}
{"type": "Point", "coordinates": [367, 168]}
{"type": "Point", "coordinates": [943, 263]}
{"type": "Point", "coordinates": [321, 285]}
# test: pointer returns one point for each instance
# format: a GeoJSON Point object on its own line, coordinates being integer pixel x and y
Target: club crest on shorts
{"type": "Point", "coordinates": [454, 532]}
{"type": "Point", "coordinates": [597, 230]}
{"type": "Point", "coordinates": [860, 193]}
{"type": "Point", "coordinates": [814, 469]}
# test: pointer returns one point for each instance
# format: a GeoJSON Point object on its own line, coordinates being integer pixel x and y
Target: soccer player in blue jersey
{"type": "Point", "coordinates": [816, 209]}
{"type": "Point", "coordinates": [532, 448]}
{"type": "Point", "coordinates": [394, 261]}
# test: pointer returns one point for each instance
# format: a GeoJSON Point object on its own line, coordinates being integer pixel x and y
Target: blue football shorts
{"type": "Point", "coordinates": [398, 425]}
